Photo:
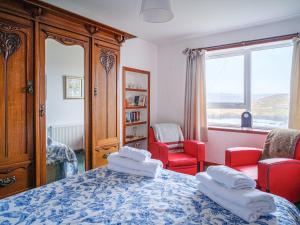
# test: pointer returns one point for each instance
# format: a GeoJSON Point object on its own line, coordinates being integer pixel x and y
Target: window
{"type": "Point", "coordinates": [255, 79]}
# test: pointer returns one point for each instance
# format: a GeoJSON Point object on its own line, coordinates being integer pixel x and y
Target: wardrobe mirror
{"type": "Point", "coordinates": [65, 150]}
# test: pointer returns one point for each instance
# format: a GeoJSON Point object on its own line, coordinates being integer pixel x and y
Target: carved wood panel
{"type": "Point", "coordinates": [16, 103]}
{"type": "Point", "coordinates": [105, 104]}
{"type": "Point", "coordinates": [20, 73]}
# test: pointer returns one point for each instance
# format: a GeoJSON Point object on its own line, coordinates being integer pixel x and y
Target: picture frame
{"type": "Point", "coordinates": [73, 87]}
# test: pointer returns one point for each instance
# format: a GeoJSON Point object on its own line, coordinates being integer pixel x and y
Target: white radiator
{"type": "Point", "coordinates": [71, 135]}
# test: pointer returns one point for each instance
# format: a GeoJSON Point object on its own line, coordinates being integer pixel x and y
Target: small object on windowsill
{"type": "Point", "coordinates": [246, 120]}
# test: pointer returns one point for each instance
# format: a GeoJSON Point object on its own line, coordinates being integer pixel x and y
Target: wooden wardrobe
{"type": "Point", "coordinates": [24, 27]}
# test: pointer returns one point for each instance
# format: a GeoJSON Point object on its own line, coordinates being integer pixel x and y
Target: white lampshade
{"type": "Point", "coordinates": [156, 11]}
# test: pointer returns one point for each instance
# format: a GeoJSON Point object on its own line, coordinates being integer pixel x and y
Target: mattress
{"type": "Point", "coordinates": [102, 196]}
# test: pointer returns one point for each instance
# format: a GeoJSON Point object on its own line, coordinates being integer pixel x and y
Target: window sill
{"type": "Point", "coordinates": [239, 130]}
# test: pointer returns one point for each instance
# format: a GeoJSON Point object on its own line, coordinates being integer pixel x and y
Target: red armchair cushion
{"type": "Point", "coordinates": [280, 176]}
{"type": "Point", "coordinates": [192, 170]}
{"type": "Point", "coordinates": [242, 156]}
{"type": "Point", "coordinates": [250, 170]}
{"type": "Point", "coordinates": [183, 162]}
{"type": "Point", "coordinates": [195, 148]}
{"type": "Point", "coordinates": [181, 159]}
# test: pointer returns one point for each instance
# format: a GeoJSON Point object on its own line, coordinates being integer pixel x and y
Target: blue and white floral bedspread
{"type": "Point", "coordinates": [60, 153]}
{"type": "Point", "coordinates": [102, 196]}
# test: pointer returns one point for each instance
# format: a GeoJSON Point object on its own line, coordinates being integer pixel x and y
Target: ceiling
{"type": "Point", "coordinates": [193, 18]}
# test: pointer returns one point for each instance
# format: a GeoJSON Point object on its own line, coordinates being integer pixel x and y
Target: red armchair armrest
{"type": "Point", "coordinates": [159, 151]}
{"type": "Point", "coordinates": [195, 148]}
{"type": "Point", "coordinates": [242, 156]}
{"type": "Point", "coordinates": [280, 176]}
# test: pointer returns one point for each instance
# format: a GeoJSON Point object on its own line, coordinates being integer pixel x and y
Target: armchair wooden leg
{"type": "Point", "coordinates": [200, 166]}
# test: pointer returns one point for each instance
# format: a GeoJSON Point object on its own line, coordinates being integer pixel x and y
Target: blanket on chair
{"type": "Point", "coordinates": [281, 143]}
{"type": "Point", "coordinates": [170, 134]}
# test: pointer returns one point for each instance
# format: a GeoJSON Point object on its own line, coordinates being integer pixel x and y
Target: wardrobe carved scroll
{"type": "Point", "coordinates": [62, 39]}
{"type": "Point", "coordinates": [10, 42]}
{"type": "Point", "coordinates": [107, 59]}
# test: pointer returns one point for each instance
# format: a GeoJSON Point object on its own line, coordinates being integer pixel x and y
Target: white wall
{"type": "Point", "coordinates": [63, 60]}
{"type": "Point", "coordinates": [141, 54]}
{"type": "Point", "coordinates": [171, 82]}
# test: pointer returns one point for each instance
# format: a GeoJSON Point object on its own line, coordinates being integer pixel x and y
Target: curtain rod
{"type": "Point", "coordinates": [247, 43]}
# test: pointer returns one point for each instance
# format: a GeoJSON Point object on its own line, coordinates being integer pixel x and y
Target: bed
{"type": "Point", "coordinates": [61, 160]}
{"type": "Point", "coordinates": [102, 196]}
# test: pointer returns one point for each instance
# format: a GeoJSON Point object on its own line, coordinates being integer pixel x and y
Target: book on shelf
{"type": "Point", "coordinates": [133, 116]}
{"type": "Point", "coordinates": [137, 100]}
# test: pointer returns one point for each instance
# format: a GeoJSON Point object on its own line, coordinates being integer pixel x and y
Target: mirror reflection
{"type": "Point", "coordinates": [65, 152]}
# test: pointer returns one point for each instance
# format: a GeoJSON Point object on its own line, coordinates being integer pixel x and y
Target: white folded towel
{"type": "Point", "coordinates": [253, 199]}
{"type": "Point", "coordinates": [242, 212]}
{"type": "Point", "coordinates": [135, 154]}
{"type": "Point", "coordinates": [122, 169]}
{"type": "Point", "coordinates": [150, 165]}
{"type": "Point", "coordinates": [231, 178]}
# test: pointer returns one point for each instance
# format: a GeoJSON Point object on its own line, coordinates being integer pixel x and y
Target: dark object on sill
{"type": "Point", "coordinates": [246, 120]}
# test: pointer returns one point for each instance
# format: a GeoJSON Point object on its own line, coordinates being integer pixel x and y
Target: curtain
{"type": "Point", "coordinates": [195, 120]}
{"type": "Point", "coordinates": [294, 115]}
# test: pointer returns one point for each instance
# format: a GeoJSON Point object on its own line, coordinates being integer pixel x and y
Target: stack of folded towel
{"type": "Point", "coordinates": [235, 192]}
{"type": "Point", "coordinates": [134, 161]}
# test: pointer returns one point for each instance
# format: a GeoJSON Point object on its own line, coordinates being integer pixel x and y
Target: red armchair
{"type": "Point", "coordinates": [183, 162]}
{"type": "Point", "coordinates": [280, 176]}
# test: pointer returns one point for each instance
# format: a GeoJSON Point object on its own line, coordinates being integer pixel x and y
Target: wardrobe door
{"type": "Point", "coordinates": [105, 102]}
{"type": "Point", "coordinates": [16, 105]}
{"type": "Point", "coordinates": [64, 103]}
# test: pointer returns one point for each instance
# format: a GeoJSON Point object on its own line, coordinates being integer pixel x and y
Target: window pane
{"type": "Point", "coordinates": [270, 74]}
{"type": "Point", "coordinates": [224, 117]}
{"type": "Point", "coordinates": [225, 79]}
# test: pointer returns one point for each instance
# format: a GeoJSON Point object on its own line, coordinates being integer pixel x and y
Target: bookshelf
{"type": "Point", "coordinates": [136, 107]}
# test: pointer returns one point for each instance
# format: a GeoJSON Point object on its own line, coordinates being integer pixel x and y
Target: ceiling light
{"type": "Point", "coordinates": [156, 11]}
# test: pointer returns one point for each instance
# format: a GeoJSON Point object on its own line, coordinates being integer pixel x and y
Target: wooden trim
{"type": "Point", "coordinates": [77, 17]}
{"type": "Point", "coordinates": [248, 43]}
{"type": "Point", "coordinates": [135, 140]}
{"type": "Point", "coordinates": [87, 104]}
{"type": "Point", "coordinates": [239, 130]}
{"type": "Point", "coordinates": [136, 70]}
{"type": "Point", "coordinates": [136, 89]}
{"type": "Point", "coordinates": [136, 107]}
{"type": "Point", "coordinates": [123, 105]}
{"type": "Point", "coordinates": [93, 93]}
{"type": "Point", "coordinates": [37, 104]}
{"type": "Point", "coordinates": [206, 163]}
{"type": "Point", "coordinates": [142, 72]}
{"type": "Point", "coordinates": [136, 123]}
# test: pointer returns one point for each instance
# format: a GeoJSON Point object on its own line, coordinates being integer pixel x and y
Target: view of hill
{"type": "Point", "coordinates": [274, 105]}
{"type": "Point", "coordinates": [267, 111]}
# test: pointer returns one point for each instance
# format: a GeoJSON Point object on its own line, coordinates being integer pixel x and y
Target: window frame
{"type": "Point", "coordinates": [229, 105]}
{"type": "Point", "coordinates": [247, 53]}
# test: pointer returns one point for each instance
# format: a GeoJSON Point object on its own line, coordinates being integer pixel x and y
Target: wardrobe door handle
{"type": "Point", "coordinates": [95, 91]}
{"type": "Point", "coordinates": [7, 181]}
{"type": "Point", "coordinates": [29, 87]}
{"type": "Point", "coordinates": [105, 156]}
{"type": "Point", "coordinates": [42, 110]}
